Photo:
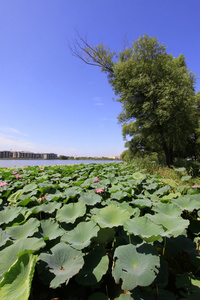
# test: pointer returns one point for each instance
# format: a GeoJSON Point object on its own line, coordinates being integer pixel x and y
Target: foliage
{"type": "Point", "coordinates": [138, 238]}
{"type": "Point", "coordinates": [157, 94]}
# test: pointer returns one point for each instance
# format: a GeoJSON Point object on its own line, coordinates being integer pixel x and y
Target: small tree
{"type": "Point", "coordinates": [156, 91]}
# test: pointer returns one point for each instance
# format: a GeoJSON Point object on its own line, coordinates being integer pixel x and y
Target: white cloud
{"type": "Point", "coordinates": [98, 101]}
{"type": "Point", "coordinates": [8, 143]}
{"type": "Point", "coordinates": [11, 130]}
{"type": "Point", "coordinates": [107, 119]}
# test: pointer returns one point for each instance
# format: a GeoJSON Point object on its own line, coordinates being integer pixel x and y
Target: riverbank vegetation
{"type": "Point", "coordinates": [160, 109]}
{"type": "Point", "coordinates": [99, 231]}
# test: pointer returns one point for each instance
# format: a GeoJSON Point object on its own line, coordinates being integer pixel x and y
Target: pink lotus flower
{"type": "Point", "coordinates": [24, 171]}
{"type": "Point", "coordinates": [15, 172]}
{"type": "Point", "coordinates": [43, 198]}
{"type": "Point", "coordinates": [17, 176]}
{"type": "Point", "coordinates": [99, 191]}
{"type": "Point", "coordinates": [41, 169]}
{"type": "Point", "coordinates": [96, 180]}
{"type": "Point", "coordinates": [3, 183]}
{"type": "Point", "coordinates": [195, 186]}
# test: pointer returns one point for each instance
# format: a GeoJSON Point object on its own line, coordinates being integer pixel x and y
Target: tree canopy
{"type": "Point", "coordinates": [156, 90]}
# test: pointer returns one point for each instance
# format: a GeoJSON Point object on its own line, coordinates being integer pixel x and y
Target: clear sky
{"type": "Point", "coordinates": [52, 101]}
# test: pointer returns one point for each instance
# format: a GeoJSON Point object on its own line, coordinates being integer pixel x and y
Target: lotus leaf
{"type": "Point", "coordinates": [50, 229]}
{"type": "Point", "coordinates": [138, 176]}
{"type": "Point", "coordinates": [9, 254]}
{"type": "Point", "coordinates": [14, 197]}
{"type": "Point", "coordinates": [141, 203]}
{"type": "Point", "coordinates": [90, 198]}
{"type": "Point", "coordinates": [144, 228]}
{"type": "Point", "coordinates": [64, 263]}
{"type": "Point", "coordinates": [80, 236]}
{"type": "Point", "coordinates": [29, 188]}
{"type": "Point", "coordinates": [54, 195]}
{"type": "Point", "coordinates": [134, 267]}
{"type": "Point", "coordinates": [9, 214]}
{"type": "Point", "coordinates": [87, 183]}
{"type": "Point", "coordinates": [47, 207]}
{"type": "Point", "coordinates": [174, 225]}
{"type": "Point", "coordinates": [163, 190]}
{"type": "Point", "coordinates": [95, 266]}
{"type": "Point", "coordinates": [72, 192]}
{"type": "Point", "coordinates": [186, 178]}
{"type": "Point", "coordinates": [190, 283]}
{"type": "Point", "coordinates": [111, 216]}
{"type": "Point", "coordinates": [104, 236]}
{"type": "Point", "coordinates": [3, 237]}
{"type": "Point", "coordinates": [152, 186]}
{"type": "Point", "coordinates": [168, 209]}
{"type": "Point", "coordinates": [23, 231]}
{"type": "Point", "coordinates": [70, 212]}
{"type": "Point", "coordinates": [119, 195]}
{"type": "Point", "coordinates": [124, 297]}
{"type": "Point", "coordinates": [189, 202]}
{"type": "Point", "coordinates": [16, 283]}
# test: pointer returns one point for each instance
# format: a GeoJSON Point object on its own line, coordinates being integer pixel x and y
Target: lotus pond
{"type": "Point", "coordinates": [97, 231]}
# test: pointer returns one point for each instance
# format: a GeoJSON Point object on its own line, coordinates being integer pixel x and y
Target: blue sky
{"type": "Point", "coordinates": [52, 101]}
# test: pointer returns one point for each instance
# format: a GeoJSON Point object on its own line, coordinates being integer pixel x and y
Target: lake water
{"type": "Point", "coordinates": [11, 163]}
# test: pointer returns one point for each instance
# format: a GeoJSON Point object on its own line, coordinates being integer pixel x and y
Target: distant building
{"type": "Point", "coordinates": [27, 155]}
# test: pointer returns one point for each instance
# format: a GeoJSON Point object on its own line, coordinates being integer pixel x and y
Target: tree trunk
{"type": "Point", "coordinates": [168, 155]}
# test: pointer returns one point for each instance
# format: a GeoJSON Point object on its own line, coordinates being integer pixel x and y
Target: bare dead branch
{"type": "Point", "coordinates": [91, 56]}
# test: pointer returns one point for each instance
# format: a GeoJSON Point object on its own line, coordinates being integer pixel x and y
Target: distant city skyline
{"type": "Point", "coordinates": [54, 102]}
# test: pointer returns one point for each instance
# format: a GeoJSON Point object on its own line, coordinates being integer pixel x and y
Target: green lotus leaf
{"type": "Point", "coordinates": [144, 228]}
{"type": "Point", "coordinates": [9, 214]}
{"type": "Point", "coordinates": [115, 188]}
{"type": "Point", "coordinates": [50, 229]}
{"type": "Point", "coordinates": [70, 212]}
{"type": "Point", "coordinates": [171, 196]}
{"type": "Point", "coordinates": [124, 297]}
{"type": "Point", "coordinates": [90, 198]}
{"type": "Point", "coordinates": [80, 236]}
{"type": "Point", "coordinates": [23, 231]}
{"type": "Point", "coordinates": [186, 178]}
{"type": "Point", "coordinates": [190, 283]}
{"type": "Point", "coordinates": [141, 203]}
{"type": "Point", "coordinates": [9, 254]}
{"type": "Point", "coordinates": [152, 186]}
{"type": "Point", "coordinates": [174, 225]}
{"type": "Point", "coordinates": [72, 192]}
{"type": "Point", "coordinates": [64, 262]}
{"type": "Point", "coordinates": [87, 183]}
{"type": "Point", "coordinates": [133, 211]}
{"type": "Point", "coordinates": [29, 188]}
{"type": "Point", "coordinates": [119, 195]}
{"type": "Point", "coordinates": [47, 207]}
{"type": "Point", "coordinates": [54, 195]}
{"type": "Point", "coordinates": [105, 182]}
{"type": "Point", "coordinates": [104, 236]}
{"type": "Point", "coordinates": [136, 267]}
{"type": "Point", "coordinates": [16, 283]}
{"type": "Point", "coordinates": [3, 237]}
{"type": "Point", "coordinates": [111, 216]}
{"type": "Point", "coordinates": [138, 176]}
{"type": "Point", "coordinates": [168, 209]}
{"type": "Point", "coordinates": [189, 202]}
{"type": "Point", "coordinates": [15, 196]}
{"type": "Point", "coordinates": [180, 169]}
{"type": "Point", "coordinates": [163, 190]}
{"type": "Point", "coordinates": [95, 266]}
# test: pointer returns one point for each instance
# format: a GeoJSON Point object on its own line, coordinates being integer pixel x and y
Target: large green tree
{"type": "Point", "coordinates": [156, 91]}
